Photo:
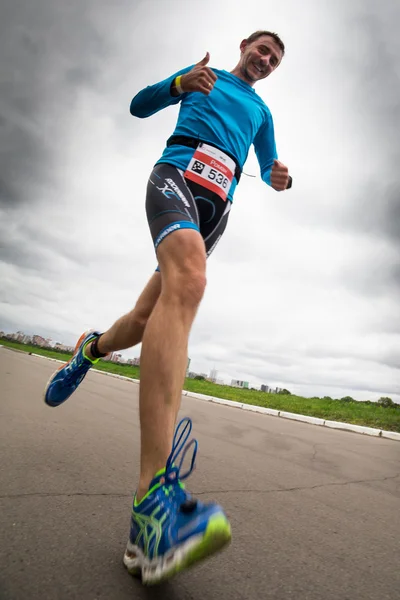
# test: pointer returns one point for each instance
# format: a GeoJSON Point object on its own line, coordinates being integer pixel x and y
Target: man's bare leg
{"type": "Point", "coordinates": [163, 360]}
{"type": "Point", "coordinates": [128, 330]}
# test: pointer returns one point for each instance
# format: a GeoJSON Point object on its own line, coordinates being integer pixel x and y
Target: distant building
{"type": "Point", "coordinates": [239, 383]}
{"type": "Point", "coordinates": [264, 388]}
{"type": "Point", "coordinates": [134, 362]}
{"type": "Point", "coordinates": [19, 336]}
{"type": "Point", "coordinates": [213, 375]}
{"type": "Point", "coordinates": [61, 347]}
{"type": "Point", "coordinates": [113, 357]}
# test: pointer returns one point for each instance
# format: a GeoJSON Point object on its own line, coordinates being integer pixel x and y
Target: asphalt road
{"type": "Point", "coordinates": [315, 512]}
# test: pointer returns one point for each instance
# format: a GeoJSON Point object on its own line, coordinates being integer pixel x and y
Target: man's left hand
{"type": "Point", "coordinates": [279, 176]}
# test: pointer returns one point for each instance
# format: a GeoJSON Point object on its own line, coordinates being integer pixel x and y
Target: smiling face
{"type": "Point", "coordinates": [258, 59]}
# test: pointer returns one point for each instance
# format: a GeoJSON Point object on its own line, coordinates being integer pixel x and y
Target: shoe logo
{"type": "Point", "coordinates": [150, 532]}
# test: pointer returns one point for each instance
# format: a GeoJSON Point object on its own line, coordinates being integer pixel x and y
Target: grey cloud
{"type": "Point", "coordinates": [386, 357]}
{"type": "Point", "coordinates": [22, 246]}
{"type": "Point", "coordinates": [53, 255]}
{"type": "Point", "coordinates": [364, 73]}
{"type": "Point", "coordinates": [362, 386]}
{"type": "Point", "coordinates": [377, 98]}
{"type": "Point", "coordinates": [20, 151]}
{"type": "Point", "coordinates": [390, 359]}
{"type": "Point", "coordinates": [379, 278]}
{"type": "Point", "coordinates": [267, 357]}
{"type": "Point", "coordinates": [10, 326]}
{"type": "Point", "coordinates": [377, 211]}
{"type": "Point", "coordinates": [367, 64]}
{"type": "Point", "coordinates": [385, 323]}
{"type": "Point", "coordinates": [81, 76]}
{"type": "Point", "coordinates": [37, 296]}
{"type": "Point", "coordinates": [310, 378]}
{"type": "Point", "coordinates": [49, 51]}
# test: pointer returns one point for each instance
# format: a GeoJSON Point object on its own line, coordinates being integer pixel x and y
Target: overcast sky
{"type": "Point", "coordinates": [304, 288]}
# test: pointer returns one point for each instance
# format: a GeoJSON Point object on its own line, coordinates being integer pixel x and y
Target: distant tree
{"type": "Point", "coordinates": [327, 398]}
{"type": "Point", "coordinates": [347, 399]}
{"type": "Point", "coordinates": [385, 402]}
{"type": "Point", "coordinates": [200, 378]}
{"type": "Point", "coordinates": [285, 392]}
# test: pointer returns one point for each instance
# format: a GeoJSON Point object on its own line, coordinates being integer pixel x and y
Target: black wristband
{"type": "Point", "coordinates": [95, 352]}
{"type": "Point", "coordinates": [289, 185]}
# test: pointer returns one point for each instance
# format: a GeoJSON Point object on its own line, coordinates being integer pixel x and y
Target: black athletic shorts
{"type": "Point", "coordinates": [174, 202]}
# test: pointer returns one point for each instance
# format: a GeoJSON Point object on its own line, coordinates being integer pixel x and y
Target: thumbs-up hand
{"type": "Point", "coordinates": [279, 176]}
{"type": "Point", "coordinates": [199, 79]}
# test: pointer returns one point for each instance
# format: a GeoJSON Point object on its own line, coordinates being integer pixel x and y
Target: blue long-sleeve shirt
{"type": "Point", "coordinates": [232, 117]}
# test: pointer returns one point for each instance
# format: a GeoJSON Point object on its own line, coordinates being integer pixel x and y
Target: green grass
{"type": "Point", "coordinates": [35, 349]}
{"type": "Point", "coordinates": [359, 413]}
{"type": "Point", "coordinates": [127, 370]}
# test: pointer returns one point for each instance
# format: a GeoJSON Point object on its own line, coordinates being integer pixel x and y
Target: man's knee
{"type": "Point", "coordinates": [189, 285]}
{"type": "Point", "coordinates": [183, 266]}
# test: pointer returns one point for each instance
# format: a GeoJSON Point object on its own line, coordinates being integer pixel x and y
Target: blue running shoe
{"type": "Point", "coordinates": [171, 531]}
{"type": "Point", "coordinates": [67, 378]}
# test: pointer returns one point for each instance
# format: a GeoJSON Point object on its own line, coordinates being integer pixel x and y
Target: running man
{"type": "Point", "coordinates": [189, 196]}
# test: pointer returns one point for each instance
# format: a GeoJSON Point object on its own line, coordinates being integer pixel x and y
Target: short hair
{"type": "Point", "coordinates": [257, 34]}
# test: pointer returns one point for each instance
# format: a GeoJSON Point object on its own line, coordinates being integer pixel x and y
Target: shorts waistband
{"type": "Point", "coordinates": [191, 142]}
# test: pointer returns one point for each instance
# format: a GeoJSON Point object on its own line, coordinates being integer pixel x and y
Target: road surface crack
{"type": "Point", "coordinates": [297, 488]}
{"type": "Point", "coordinates": [66, 495]}
{"type": "Point", "coordinates": [199, 493]}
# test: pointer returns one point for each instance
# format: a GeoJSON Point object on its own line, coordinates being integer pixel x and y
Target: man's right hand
{"type": "Point", "coordinates": [200, 79]}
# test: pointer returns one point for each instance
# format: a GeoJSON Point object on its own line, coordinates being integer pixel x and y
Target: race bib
{"type": "Point", "coordinates": [211, 168]}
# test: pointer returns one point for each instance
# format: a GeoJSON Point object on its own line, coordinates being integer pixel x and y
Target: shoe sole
{"type": "Point", "coordinates": [78, 343]}
{"type": "Point", "coordinates": [217, 536]}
